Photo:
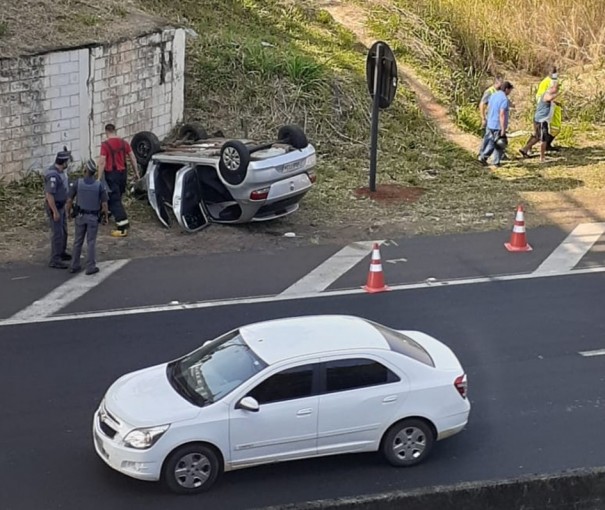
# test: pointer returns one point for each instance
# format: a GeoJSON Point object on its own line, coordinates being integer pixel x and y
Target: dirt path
{"type": "Point", "coordinates": [353, 17]}
{"type": "Point", "coordinates": [562, 208]}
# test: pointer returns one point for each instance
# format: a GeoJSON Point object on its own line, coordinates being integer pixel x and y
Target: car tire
{"type": "Point", "coordinates": [233, 163]}
{"type": "Point", "coordinates": [407, 443]}
{"type": "Point", "coordinates": [144, 145]}
{"type": "Point", "coordinates": [192, 132]}
{"type": "Point", "coordinates": [293, 135]}
{"type": "Point", "coordinates": [191, 469]}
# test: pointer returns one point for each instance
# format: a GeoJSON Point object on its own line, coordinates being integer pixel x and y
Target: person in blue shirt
{"type": "Point", "coordinates": [487, 94]}
{"type": "Point", "coordinates": [498, 113]}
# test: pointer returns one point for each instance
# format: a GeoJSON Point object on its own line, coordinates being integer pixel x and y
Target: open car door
{"type": "Point", "coordinates": [157, 193]}
{"type": "Point", "coordinates": [187, 203]}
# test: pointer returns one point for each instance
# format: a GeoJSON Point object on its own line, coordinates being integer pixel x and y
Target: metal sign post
{"type": "Point", "coordinates": [381, 76]}
{"type": "Point", "coordinates": [375, 114]}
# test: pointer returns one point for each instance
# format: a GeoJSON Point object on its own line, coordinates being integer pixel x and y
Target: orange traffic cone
{"type": "Point", "coordinates": [518, 241]}
{"type": "Point", "coordinates": [375, 281]}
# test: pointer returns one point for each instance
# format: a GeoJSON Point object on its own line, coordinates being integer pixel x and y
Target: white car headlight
{"type": "Point", "coordinates": [141, 439]}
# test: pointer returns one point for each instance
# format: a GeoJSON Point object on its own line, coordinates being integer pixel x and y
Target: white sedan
{"type": "Point", "coordinates": [281, 390]}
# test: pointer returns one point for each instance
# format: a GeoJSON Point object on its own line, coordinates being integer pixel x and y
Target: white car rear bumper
{"type": "Point", "coordinates": [451, 425]}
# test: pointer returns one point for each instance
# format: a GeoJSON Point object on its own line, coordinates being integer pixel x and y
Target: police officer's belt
{"type": "Point", "coordinates": [86, 211]}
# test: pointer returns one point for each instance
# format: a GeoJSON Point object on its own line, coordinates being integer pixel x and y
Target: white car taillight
{"type": "Point", "coordinates": [461, 385]}
{"type": "Point", "coordinates": [260, 194]}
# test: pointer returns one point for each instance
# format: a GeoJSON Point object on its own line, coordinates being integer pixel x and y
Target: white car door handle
{"type": "Point", "coordinates": [391, 398]}
{"type": "Point", "coordinates": [303, 412]}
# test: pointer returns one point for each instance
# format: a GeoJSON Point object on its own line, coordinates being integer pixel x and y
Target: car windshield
{"type": "Point", "coordinates": [215, 369]}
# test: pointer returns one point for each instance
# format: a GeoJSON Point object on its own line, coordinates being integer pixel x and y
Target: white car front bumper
{"type": "Point", "coordinates": [140, 464]}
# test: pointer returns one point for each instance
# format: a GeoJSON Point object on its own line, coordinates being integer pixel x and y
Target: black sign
{"type": "Point", "coordinates": [381, 75]}
{"type": "Point", "coordinates": [386, 80]}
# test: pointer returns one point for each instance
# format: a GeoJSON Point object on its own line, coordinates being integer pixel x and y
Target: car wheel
{"type": "Point", "coordinates": [407, 443]}
{"type": "Point", "coordinates": [293, 135]}
{"type": "Point", "coordinates": [234, 161]}
{"type": "Point", "coordinates": [193, 132]}
{"type": "Point", "coordinates": [144, 145]}
{"type": "Point", "coordinates": [191, 469]}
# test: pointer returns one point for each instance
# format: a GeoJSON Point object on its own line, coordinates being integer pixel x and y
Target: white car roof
{"type": "Point", "coordinates": [282, 339]}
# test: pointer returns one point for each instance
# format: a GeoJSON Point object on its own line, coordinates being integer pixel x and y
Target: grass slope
{"type": "Point", "coordinates": [260, 64]}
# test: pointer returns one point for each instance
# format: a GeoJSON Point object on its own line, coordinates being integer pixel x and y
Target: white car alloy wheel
{"type": "Point", "coordinates": [191, 469]}
{"type": "Point", "coordinates": [231, 159]}
{"type": "Point", "coordinates": [407, 443]}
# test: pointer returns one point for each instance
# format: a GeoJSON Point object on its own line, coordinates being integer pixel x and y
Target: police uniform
{"type": "Point", "coordinates": [54, 185]}
{"type": "Point", "coordinates": [65, 180]}
{"type": "Point", "coordinates": [89, 194]}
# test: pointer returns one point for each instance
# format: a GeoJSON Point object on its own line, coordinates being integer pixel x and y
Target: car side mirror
{"type": "Point", "coordinates": [248, 404]}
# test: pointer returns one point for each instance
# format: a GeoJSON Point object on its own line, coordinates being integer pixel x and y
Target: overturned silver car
{"type": "Point", "coordinates": [206, 179]}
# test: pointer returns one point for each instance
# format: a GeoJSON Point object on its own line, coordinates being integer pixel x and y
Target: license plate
{"type": "Point", "coordinates": [290, 167]}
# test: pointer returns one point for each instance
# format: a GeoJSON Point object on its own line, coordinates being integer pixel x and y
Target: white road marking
{"type": "Point", "coordinates": [394, 261]}
{"type": "Point", "coordinates": [315, 295]}
{"type": "Point", "coordinates": [331, 269]}
{"type": "Point", "coordinates": [588, 354]}
{"type": "Point", "coordinates": [66, 293]}
{"type": "Point", "coordinates": [573, 248]}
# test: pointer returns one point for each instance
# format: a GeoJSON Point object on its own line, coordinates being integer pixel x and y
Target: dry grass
{"type": "Point", "coordinates": [527, 34]}
{"type": "Point", "coordinates": [38, 26]}
{"type": "Point", "coordinates": [456, 46]}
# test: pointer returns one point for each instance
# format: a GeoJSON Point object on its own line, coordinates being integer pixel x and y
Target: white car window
{"type": "Point", "coordinates": [287, 385]}
{"type": "Point", "coordinates": [349, 374]}
{"type": "Point", "coordinates": [403, 344]}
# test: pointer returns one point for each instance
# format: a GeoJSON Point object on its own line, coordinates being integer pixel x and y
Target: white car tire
{"type": "Point", "coordinates": [191, 469]}
{"type": "Point", "coordinates": [407, 443]}
{"type": "Point", "coordinates": [233, 163]}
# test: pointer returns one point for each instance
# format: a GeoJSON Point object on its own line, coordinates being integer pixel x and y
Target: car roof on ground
{"type": "Point", "coordinates": [282, 339]}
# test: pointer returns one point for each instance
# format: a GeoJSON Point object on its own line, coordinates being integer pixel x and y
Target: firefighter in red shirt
{"type": "Point", "coordinates": [112, 163]}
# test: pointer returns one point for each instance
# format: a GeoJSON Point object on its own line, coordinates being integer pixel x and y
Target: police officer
{"type": "Point", "coordinates": [64, 155]}
{"type": "Point", "coordinates": [55, 193]}
{"type": "Point", "coordinates": [91, 201]}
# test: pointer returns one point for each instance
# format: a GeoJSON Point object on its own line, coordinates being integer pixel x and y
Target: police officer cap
{"type": "Point", "coordinates": [64, 156]}
{"type": "Point", "coordinates": [91, 167]}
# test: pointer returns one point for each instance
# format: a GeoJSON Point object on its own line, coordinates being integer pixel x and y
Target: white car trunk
{"type": "Point", "coordinates": [442, 355]}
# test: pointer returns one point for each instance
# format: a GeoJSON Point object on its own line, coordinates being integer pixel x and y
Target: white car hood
{"type": "Point", "coordinates": [146, 398]}
{"type": "Point", "coordinates": [442, 355]}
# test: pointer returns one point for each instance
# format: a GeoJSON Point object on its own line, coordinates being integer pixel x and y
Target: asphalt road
{"type": "Point", "coordinates": [537, 404]}
{"type": "Point", "coordinates": [161, 280]}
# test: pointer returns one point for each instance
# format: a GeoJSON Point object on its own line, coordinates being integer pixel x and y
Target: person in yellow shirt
{"type": "Point", "coordinates": [557, 116]}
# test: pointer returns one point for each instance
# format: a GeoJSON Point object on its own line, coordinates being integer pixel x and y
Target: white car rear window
{"type": "Point", "coordinates": [403, 344]}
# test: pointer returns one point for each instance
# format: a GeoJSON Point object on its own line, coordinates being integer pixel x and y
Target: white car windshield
{"type": "Point", "coordinates": [214, 370]}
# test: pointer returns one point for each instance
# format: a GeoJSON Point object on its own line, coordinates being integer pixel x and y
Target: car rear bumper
{"type": "Point", "coordinates": [452, 425]}
{"type": "Point", "coordinates": [283, 199]}
{"type": "Point", "coordinates": [138, 464]}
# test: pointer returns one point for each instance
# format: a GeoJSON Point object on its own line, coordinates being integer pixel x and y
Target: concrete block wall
{"type": "Point", "coordinates": [65, 98]}
{"type": "Point", "coordinates": [40, 101]}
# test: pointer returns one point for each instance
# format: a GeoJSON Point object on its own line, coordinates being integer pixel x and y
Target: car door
{"type": "Point", "coordinates": [285, 425]}
{"type": "Point", "coordinates": [358, 396]}
{"type": "Point", "coordinates": [157, 193]}
{"type": "Point", "coordinates": [187, 203]}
